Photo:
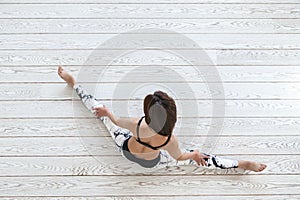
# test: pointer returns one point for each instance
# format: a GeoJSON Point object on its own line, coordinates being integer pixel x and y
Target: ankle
{"type": "Point", "coordinates": [244, 164]}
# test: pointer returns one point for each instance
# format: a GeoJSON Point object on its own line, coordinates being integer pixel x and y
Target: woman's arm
{"type": "Point", "coordinates": [126, 123]}
{"type": "Point", "coordinates": [195, 155]}
{"type": "Point", "coordinates": [176, 153]}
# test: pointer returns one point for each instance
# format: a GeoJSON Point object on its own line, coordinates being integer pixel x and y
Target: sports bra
{"type": "Point", "coordinates": [146, 144]}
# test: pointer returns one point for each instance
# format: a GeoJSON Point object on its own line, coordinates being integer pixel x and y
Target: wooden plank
{"type": "Point", "coordinates": [146, 11]}
{"type": "Point", "coordinates": [177, 197]}
{"type": "Point", "coordinates": [99, 146]}
{"type": "Point", "coordinates": [187, 90]}
{"type": "Point", "coordinates": [91, 127]}
{"type": "Point", "coordinates": [75, 109]}
{"type": "Point", "coordinates": [149, 1]}
{"type": "Point", "coordinates": [149, 57]}
{"type": "Point", "coordinates": [206, 41]}
{"type": "Point", "coordinates": [117, 165]}
{"type": "Point", "coordinates": [84, 26]}
{"type": "Point", "coordinates": [173, 185]}
{"type": "Point", "coordinates": [51, 127]}
{"type": "Point", "coordinates": [253, 74]}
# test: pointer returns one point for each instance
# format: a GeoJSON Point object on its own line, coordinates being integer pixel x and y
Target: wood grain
{"type": "Point", "coordinates": [132, 11]}
{"type": "Point", "coordinates": [90, 127]}
{"type": "Point", "coordinates": [115, 185]}
{"type": "Point", "coordinates": [150, 57]}
{"type": "Point", "coordinates": [161, 197]}
{"type": "Point", "coordinates": [98, 146]}
{"type": "Point", "coordinates": [204, 41]}
{"type": "Point", "coordinates": [253, 74]}
{"type": "Point", "coordinates": [51, 127]}
{"type": "Point", "coordinates": [148, 1]}
{"type": "Point", "coordinates": [234, 108]}
{"type": "Point", "coordinates": [52, 148]}
{"type": "Point", "coordinates": [200, 91]}
{"type": "Point", "coordinates": [119, 166]}
{"type": "Point", "coordinates": [84, 26]}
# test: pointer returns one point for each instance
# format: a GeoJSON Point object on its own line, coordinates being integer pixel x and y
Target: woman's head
{"type": "Point", "coordinates": [160, 112]}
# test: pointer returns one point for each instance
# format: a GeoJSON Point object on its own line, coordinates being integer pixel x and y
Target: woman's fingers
{"type": "Point", "coordinates": [203, 163]}
{"type": "Point", "coordinates": [204, 156]}
{"type": "Point", "coordinates": [96, 111]}
{"type": "Point", "coordinates": [100, 111]}
{"type": "Point", "coordinates": [200, 162]}
{"type": "Point", "coordinates": [200, 158]}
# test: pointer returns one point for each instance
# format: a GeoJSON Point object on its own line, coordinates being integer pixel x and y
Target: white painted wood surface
{"type": "Point", "coordinates": [249, 74]}
{"type": "Point", "coordinates": [147, 57]}
{"type": "Point", "coordinates": [51, 147]}
{"type": "Point", "coordinates": [141, 11]}
{"type": "Point", "coordinates": [108, 26]}
{"type": "Point", "coordinates": [105, 91]}
{"type": "Point", "coordinates": [205, 41]}
{"type": "Point", "coordinates": [71, 127]}
{"type": "Point", "coordinates": [149, 1]}
{"type": "Point", "coordinates": [114, 185]}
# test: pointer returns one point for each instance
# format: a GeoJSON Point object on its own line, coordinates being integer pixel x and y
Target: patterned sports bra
{"type": "Point", "coordinates": [146, 144]}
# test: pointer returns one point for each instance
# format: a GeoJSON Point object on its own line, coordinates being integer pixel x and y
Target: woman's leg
{"type": "Point", "coordinates": [213, 162]}
{"type": "Point", "coordinates": [227, 163]}
{"type": "Point", "coordinates": [118, 134]}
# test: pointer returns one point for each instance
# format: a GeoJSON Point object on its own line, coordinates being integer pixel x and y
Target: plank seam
{"type": "Point", "coordinates": [147, 175]}
{"type": "Point", "coordinates": [204, 33]}
{"type": "Point", "coordinates": [139, 18]}
{"type": "Point", "coordinates": [139, 3]}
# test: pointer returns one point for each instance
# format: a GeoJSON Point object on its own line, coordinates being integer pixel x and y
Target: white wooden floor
{"type": "Point", "coordinates": [45, 151]}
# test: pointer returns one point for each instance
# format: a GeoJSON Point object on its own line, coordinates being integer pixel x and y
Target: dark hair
{"type": "Point", "coordinates": [160, 112]}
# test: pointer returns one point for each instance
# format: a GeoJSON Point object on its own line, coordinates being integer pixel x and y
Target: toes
{"type": "Point", "coordinates": [60, 69]}
{"type": "Point", "coordinates": [262, 167]}
{"type": "Point", "coordinates": [265, 166]}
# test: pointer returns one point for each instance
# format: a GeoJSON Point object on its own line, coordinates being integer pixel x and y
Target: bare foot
{"type": "Point", "coordinates": [66, 76]}
{"type": "Point", "coordinates": [252, 166]}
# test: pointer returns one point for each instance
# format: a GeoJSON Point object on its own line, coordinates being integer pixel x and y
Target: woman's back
{"type": "Point", "coordinates": [148, 136]}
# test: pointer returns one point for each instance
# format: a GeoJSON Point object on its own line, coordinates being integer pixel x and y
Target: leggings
{"type": "Point", "coordinates": [119, 135]}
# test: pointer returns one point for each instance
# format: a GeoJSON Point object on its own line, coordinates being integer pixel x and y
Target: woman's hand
{"type": "Point", "coordinates": [199, 158]}
{"type": "Point", "coordinates": [121, 122]}
{"type": "Point", "coordinates": [101, 111]}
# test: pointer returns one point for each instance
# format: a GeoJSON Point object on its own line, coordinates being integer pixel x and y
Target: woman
{"type": "Point", "coordinates": [148, 141]}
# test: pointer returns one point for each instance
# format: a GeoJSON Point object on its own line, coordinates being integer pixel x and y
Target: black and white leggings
{"type": "Point", "coordinates": [119, 135]}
